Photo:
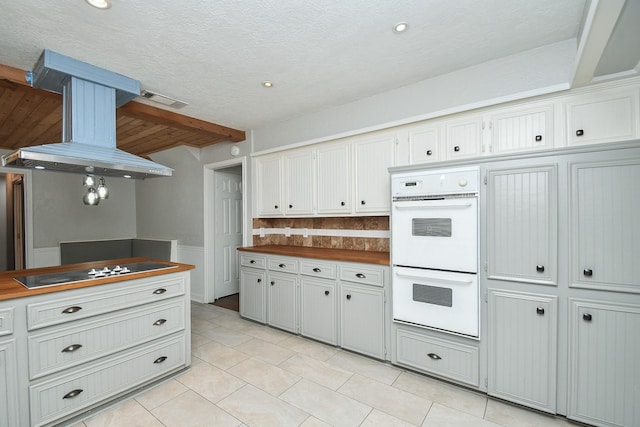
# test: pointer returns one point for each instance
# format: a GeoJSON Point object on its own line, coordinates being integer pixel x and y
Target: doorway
{"type": "Point", "coordinates": [225, 227]}
{"type": "Point", "coordinates": [12, 222]}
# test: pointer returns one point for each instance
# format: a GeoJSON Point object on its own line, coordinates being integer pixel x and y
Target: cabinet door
{"type": "Point", "coordinates": [596, 118]}
{"type": "Point", "coordinates": [334, 178]}
{"type": "Point", "coordinates": [8, 385]}
{"type": "Point", "coordinates": [522, 130]}
{"type": "Point", "coordinates": [604, 373]}
{"type": "Point", "coordinates": [318, 311]}
{"type": "Point", "coordinates": [268, 185]}
{"type": "Point", "coordinates": [362, 319]}
{"type": "Point", "coordinates": [374, 155]}
{"type": "Point", "coordinates": [252, 294]}
{"type": "Point", "coordinates": [298, 167]}
{"type": "Point", "coordinates": [281, 301]}
{"type": "Point", "coordinates": [522, 348]}
{"type": "Point", "coordinates": [425, 143]}
{"type": "Point", "coordinates": [605, 226]}
{"type": "Point", "coordinates": [463, 138]}
{"type": "Point", "coordinates": [522, 225]}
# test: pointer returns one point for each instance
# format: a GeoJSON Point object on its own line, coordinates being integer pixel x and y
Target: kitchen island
{"type": "Point", "coordinates": [70, 348]}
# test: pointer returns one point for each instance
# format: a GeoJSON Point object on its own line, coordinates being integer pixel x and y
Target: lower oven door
{"type": "Point", "coordinates": [436, 299]}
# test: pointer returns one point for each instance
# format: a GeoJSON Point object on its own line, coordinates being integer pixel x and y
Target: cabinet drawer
{"type": "Point", "coordinates": [6, 321]}
{"type": "Point", "coordinates": [318, 269]}
{"type": "Point", "coordinates": [65, 395]}
{"type": "Point", "coordinates": [362, 274]}
{"type": "Point", "coordinates": [42, 314]}
{"type": "Point", "coordinates": [253, 260]}
{"type": "Point", "coordinates": [286, 264]}
{"type": "Point", "coordinates": [66, 347]}
{"type": "Point", "coordinates": [451, 360]}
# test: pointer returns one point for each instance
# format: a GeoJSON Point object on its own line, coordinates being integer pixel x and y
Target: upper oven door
{"type": "Point", "coordinates": [438, 234]}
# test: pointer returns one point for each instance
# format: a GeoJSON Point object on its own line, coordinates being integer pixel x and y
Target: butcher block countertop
{"type": "Point", "coordinates": [10, 288]}
{"type": "Point", "coordinates": [369, 257]}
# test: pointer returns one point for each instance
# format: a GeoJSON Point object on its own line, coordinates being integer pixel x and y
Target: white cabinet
{"type": "Point", "coordinates": [9, 414]}
{"type": "Point", "coordinates": [374, 154]}
{"type": "Point", "coordinates": [522, 224]}
{"type": "Point", "coordinates": [463, 137]}
{"type": "Point", "coordinates": [605, 226]}
{"type": "Point", "coordinates": [602, 117]}
{"type": "Point", "coordinates": [424, 143]}
{"type": "Point", "coordinates": [282, 295]}
{"type": "Point", "coordinates": [522, 348]}
{"type": "Point", "coordinates": [269, 185]}
{"type": "Point", "coordinates": [253, 297]}
{"type": "Point", "coordinates": [318, 309]}
{"type": "Point", "coordinates": [298, 182]}
{"type": "Point", "coordinates": [516, 130]}
{"type": "Point", "coordinates": [362, 319]}
{"type": "Point", "coordinates": [334, 181]}
{"type": "Point", "coordinates": [604, 372]}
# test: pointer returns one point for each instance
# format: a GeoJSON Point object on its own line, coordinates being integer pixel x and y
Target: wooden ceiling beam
{"type": "Point", "coordinates": [168, 118]}
{"type": "Point", "coordinates": [15, 75]}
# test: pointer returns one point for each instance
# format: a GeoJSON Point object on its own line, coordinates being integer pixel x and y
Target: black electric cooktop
{"type": "Point", "coordinates": [64, 277]}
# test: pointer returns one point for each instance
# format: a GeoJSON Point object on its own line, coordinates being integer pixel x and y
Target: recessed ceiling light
{"type": "Point", "coordinates": [39, 167]}
{"type": "Point", "coordinates": [267, 84]}
{"type": "Point", "coordinates": [99, 4]}
{"type": "Point", "coordinates": [400, 27]}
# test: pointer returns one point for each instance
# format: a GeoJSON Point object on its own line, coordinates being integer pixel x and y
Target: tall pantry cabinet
{"type": "Point", "coordinates": [562, 282]}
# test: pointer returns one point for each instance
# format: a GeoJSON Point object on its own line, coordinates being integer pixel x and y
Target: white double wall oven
{"type": "Point", "coordinates": [434, 249]}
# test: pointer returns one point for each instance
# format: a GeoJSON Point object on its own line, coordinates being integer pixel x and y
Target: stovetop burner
{"type": "Point", "coordinates": [65, 277]}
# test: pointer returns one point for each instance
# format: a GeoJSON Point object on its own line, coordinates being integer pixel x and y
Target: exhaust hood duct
{"type": "Point", "coordinates": [90, 97]}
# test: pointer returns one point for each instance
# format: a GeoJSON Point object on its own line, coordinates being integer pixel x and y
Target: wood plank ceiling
{"type": "Point", "coordinates": [31, 116]}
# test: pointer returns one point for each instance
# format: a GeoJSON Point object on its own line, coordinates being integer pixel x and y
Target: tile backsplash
{"type": "Point", "coordinates": [370, 233]}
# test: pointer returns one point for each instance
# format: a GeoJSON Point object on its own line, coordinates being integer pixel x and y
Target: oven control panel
{"type": "Point", "coordinates": [435, 182]}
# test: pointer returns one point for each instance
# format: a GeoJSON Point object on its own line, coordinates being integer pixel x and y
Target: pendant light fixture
{"type": "Point", "coordinates": [103, 191]}
{"type": "Point", "coordinates": [92, 197]}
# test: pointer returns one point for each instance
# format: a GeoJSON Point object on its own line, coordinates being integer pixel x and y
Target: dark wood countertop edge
{"type": "Point", "coordinates": [345, 255]}
{"type": "Point", "coordinates": [11, 289]}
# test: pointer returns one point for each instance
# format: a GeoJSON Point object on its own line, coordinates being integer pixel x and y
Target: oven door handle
{"type": "Point", "coordinates": [435, 279]}
{"type": "Point", "coordinates": [424, 204]}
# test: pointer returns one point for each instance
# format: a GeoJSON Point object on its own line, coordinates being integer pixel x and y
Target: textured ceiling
{"type": "Point", "coordinates": [214, 54]}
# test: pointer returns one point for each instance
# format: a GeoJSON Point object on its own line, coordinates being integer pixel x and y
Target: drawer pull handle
{"type": "Point", "coordinates": [538, 138]}
{"type": "Point", "coordinates": [73, 393]}
{"type": "Point", "coordinates": [456, 148]}
{"type": "Point", "coordinates": [290, 206]}
{"type": "Point", "coordinates": [159, 322]}
{"type": "Point", "coordinates": [275, 206]}
{"type": "Point", "coordinates": [540, 268]}
{"type": "Point", "coordinates": [326, 292]}
{"type": "Point", "coordinates": [434, 356]}
{"type": "Point", "coordinates": [160, 359]}
{"type": "Point", "coordinates": [281, 265]}
{"type": "Point", "coordinates": [342, 203]}
{"type": "Point", "coordinates": [253, 261]}
{"type": "Point", "coordinates": [363, 202]}
{"type": "Point", "coordinates": [316, 270]}
{"type": "Point", "coordinates": [71, 310]}
{"type": "Point", "coordinates": [429, 152]}
{"type": "Point", "coordinates": [587, 317]}
{"type": "Point", "coordinates": [588, 272]}
{"type": "Point", "coordinates": [159, 291]}
{"type": "Point", "coordinates": [71, 348]}
{"type": "Point", "coordinates": [360, 276]}
{"type": "Point", "coordinates": [273, 282]}
{"type": "Point", "coordinates": [259, 280]}
{"type": "Point", "coordinates": [579, 132]}
{"type": "Point", "coordinates": [540, 311]}
{"type": "Point", "coordinates": [348, 296]}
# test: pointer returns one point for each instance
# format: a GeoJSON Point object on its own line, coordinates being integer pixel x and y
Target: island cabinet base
{"type": "Point", "coordinates": [78, 350]}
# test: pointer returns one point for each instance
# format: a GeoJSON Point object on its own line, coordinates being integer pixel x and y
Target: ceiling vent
{"type": "Point", "coordinates": [163, 99]}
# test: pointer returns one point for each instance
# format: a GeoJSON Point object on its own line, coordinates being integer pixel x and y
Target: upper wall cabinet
{"type": "Point", "coordinates": [522, 129]}
{"type": "Point", "coordinates": [298, 182]}
{"type": "Point", "coordinates": [424, 143]}
{"type": "Point", "coordinates": [463, 137]}
{"type": "Point", "coordinates": [269, 185]}
{"type": "Point", "coordinates": [333, 183]}
{"type": "Point", "coordinates": [373, 156]}
{"type": "Point", "coordinates": [602, 117]}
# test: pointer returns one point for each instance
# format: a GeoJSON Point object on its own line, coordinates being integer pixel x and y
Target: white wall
{"type": "Point", "coordinates": [59, 214]}
{"type": "Point", "coordinates": [529, 73]}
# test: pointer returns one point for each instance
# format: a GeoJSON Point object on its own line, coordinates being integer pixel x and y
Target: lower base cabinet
{"type": "Point", "coordinates": [281, 301]}
{"type": "Point", "coordinates": [318, 310]}
{"type": "Point", "coordinates": [522, 348]}
{"type": "Point", "coordinates": [362, 319]}
{"type": "Point", "coordinates": [604, 372]}
{"type": "Point", "coordinates": [8, 385]}
{"type": "Point", "coordinates": [253, 296]}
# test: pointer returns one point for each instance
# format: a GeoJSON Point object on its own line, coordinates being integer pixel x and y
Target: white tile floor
{"type": "Point", "coordinates": [245, 374]}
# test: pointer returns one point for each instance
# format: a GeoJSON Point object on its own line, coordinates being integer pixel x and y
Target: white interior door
{"type": "Point", "coordinates": [228, 232]}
